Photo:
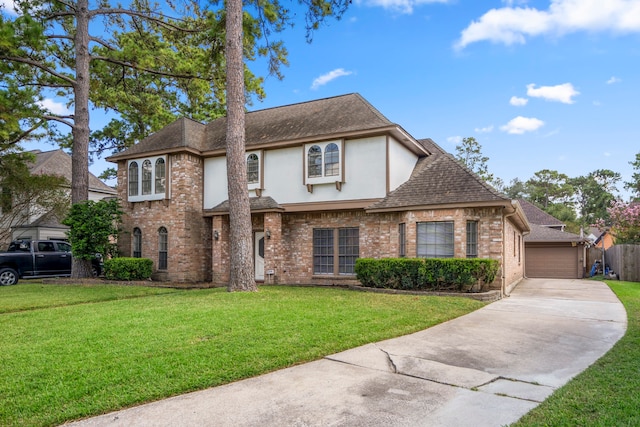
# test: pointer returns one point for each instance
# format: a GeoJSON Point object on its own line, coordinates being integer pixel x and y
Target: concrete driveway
{"type": "Point", "coordinates": [487, 368]}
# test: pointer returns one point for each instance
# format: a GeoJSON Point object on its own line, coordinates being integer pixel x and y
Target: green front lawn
{"type": "Point", "coordinates": [74, 351]}
{"type": "Point", "coordinates": [607, 393]}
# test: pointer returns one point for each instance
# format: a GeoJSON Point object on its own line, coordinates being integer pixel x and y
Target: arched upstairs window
{"type": "Point", "coordinates": [163, 248]}
{"type": "Point", "coordinates": [253, 169]}
{"type": "Point", "coordinates": [133, 178]}
{"type": "Point", "coordinates": [137, 243]}
{"type": "Point", "coordinates": [146, 177]}
{"type": "Point", "coordinates": [331, 160]}
{"type": "Point", "coordinates": [160, 176]}
{"type": "Point", "coordinates": [314, 161]}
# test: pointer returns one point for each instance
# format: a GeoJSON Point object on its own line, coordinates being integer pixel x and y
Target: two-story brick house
{"type": "Point", "coordinates": [329, 181]}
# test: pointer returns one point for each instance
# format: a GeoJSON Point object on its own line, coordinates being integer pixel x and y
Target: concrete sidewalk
{"type": "Point", "coordinates": [487, 368]}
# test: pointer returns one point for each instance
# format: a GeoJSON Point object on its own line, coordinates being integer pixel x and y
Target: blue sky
{"type": "Point", "coordinates": [540, 84]}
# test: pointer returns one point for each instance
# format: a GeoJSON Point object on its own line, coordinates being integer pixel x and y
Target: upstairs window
{"type": "Point", "coordinates": [324, 162]}
{"type": "Point", "coordinates": [160, 176]}
{"type": "Point", "coordinates": [315, 161]}
{"type": "Point", "coordinates": [331, 160]}
{"type": "Point", "coordinates": [147, 179]}
{"type": "Point", "coordinates": [253, 168]}
{"type": "Point", "coordinates": [133, 178]}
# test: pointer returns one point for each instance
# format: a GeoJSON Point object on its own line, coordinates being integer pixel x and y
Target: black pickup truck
{"type": "Point", "coordinates": [38, 258]}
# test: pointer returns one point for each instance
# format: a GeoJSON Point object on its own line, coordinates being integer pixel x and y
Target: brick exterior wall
{"type": "Point", "coordinates": [289, 251]}
{"type": "Point", "coordinates": [189, 233]}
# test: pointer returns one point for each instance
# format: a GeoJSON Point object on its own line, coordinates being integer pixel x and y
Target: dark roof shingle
{"type": "Point", "coordinates": [535, 215]}
{"type": "Point", "coordinates": [439, 180]}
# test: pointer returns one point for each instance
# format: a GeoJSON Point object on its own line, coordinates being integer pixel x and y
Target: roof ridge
{"type": "Point", "coordinates": [295, 104]}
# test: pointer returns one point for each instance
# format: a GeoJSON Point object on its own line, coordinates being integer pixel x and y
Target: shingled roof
{"type": "Point", "coordinates": [440, 180]}
{"type": "Point", "coordinates": [540, 233]}
{"type": "Point", "coordinates": [257, 204]}
{"type": "Point", "coordinates": [180, 135]}
{"type": "Point", "coordinates": [535, 215]}
{"type": "Point", "coordinates": [58, 163]}
{"type": "Point", "coordinates": [336, 117]}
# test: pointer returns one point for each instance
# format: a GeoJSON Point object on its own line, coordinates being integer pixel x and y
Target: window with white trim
{"type": "Point", "coordinates": [254, 170]}
{"type": "Point", "coordinates": [324, 162]}
{"type": "Point", "coordinates": [147, 179]}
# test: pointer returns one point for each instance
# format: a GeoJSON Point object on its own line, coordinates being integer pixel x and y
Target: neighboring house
{"type": "Point", "coordinates": [329, 181]}
{"type": "Point", "coordinates": [36, 224]}
{"type": "Point", "coordinates": [550, 251]}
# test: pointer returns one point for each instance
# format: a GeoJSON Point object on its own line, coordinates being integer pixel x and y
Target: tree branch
{"type": "Point", "coordinates": [60, 119]}
{"type": "Point", "coordinates": [147, 70]}
{"type": "Point", "coordinates": [116, 11]}
{"type": "Point", "coordinates": [39, 65]}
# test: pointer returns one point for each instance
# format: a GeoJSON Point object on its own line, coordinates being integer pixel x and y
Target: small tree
{"type": "Point", "coordinates": [624, 220]}
{"type": "Point", "coordinates": [93, 227]}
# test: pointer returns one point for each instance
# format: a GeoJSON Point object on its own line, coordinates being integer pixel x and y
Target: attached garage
{"type": "Point", "coordinates": [562, 261]}
{"type": "Point", "coordinates": [549, 251]}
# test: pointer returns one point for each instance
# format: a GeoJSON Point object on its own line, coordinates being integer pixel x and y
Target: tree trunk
{"type": "Point", "coordinates": [242, 277]}
{"type": "Point", "coordinates": [80, 151]}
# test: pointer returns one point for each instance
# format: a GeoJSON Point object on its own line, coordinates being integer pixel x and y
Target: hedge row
{"type": "Point", "coordinates": [456, 274]}
{"type": "Point", "coordinates": [124, 268]}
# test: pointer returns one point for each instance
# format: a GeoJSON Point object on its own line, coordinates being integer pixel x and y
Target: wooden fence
{"type": "Point", "coordinates": [624, 260]}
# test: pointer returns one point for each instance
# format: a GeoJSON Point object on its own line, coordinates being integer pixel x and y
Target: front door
{"type": "Point", "coordinates": [258, 255]}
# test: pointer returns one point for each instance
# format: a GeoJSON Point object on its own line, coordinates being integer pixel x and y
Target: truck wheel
{"type": "Point", "coordinates": [8, 276]}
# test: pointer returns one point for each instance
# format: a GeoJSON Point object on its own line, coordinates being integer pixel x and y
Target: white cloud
{"type": "Point", "coordinates": [518, 102]}
{"type": "Point", "coordinates": [454, 139]}
{"type": "Point", "coordinates": [8, 6]}
{"type": "Point", "coordinates": [520, 125]}
{"type": "Point", "coordinates": [486, 129]}
{"type": "Point", "coordinates": [401, 6]}
{"type": "Point", "coordinates": [513, 25]}
{"type": "Point", "coordinates": [53, 107]}
{"type": "Point", "coordinates": [561, 93]}
{"type": "Point", "coordinates": [331, 75]}
{"type": "Point", "coordinates": [613, 80]}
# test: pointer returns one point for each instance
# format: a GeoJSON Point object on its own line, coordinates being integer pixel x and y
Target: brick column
{"type": "Point", "coordinates": [273, 251]}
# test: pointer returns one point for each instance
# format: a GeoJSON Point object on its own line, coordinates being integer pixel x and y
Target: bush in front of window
{"type": "Point", "coordinates": [431, 274]}
{"type": "Point", "coordinates": [125, 268]}
{"type": "Point", "coordinates": [389, 273]}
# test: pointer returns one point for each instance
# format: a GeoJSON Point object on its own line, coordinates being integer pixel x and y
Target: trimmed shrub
{"type": "Point", "coordinates": [124, 268]}
{"type": "Point", "coordinates": [389, 273]}
{"type": "Point", "coordinates": [456, 274]}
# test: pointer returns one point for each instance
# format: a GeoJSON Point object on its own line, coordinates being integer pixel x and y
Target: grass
{"type": "Point", "coordinates": [607, 393]}
{"type": "Point", "coordinates": [70, 352]}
